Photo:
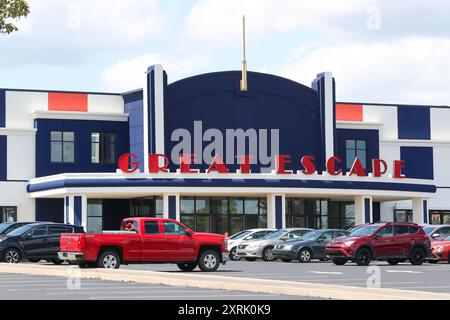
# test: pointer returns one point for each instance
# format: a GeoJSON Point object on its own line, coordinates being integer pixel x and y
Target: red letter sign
{"type": "Point", "coordinates": [331, 166]}
{"type": "Point", "coordinates": [124, 163]}
{"type": "Point", "coordinates": [185, 163]}
{"type": "Point", "coordinates": [376, 167]}
{"type": "Point", "coordinates": [398, 166]}
{"type": "Point", "coordinates": [281, 161]}
{"type": "Point", "coordinates": [153, 163]}
{"type": "Point", "coordinates": [217, 165]}
{"type": "Point", "coordinates": [308, 165]}
{"type": "Point", "coordinates": [245, 164]}
{"type": "Point", "coordinates": [358, 168]}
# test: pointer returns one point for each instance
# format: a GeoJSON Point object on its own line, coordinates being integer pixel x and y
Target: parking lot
{"type": "Point", "coordinates": [28, 287]}
{"type": "Point", "coordinates": [428, 277]}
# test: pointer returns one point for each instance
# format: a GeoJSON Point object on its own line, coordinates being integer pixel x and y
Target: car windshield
{"type": "Point", "coordinates": [240, 235]}
{"type": "Point", "coordinates": [21, 230]}
{"type": "Point", "coordinates": [429, 230]}
{"type": "Point", "coordinates": [4, 226]}
{"type": "Point", "coordinates": [313, 235]}
{"type": "Point", "coordinates": [276, 234]}
{"type": "Point", "coordinates": [364, 231]}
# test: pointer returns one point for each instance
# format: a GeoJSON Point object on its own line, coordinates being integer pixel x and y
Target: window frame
{"type": "Point", "coordinates": [62, 142]}
{"type": "Point", "coordinates": [355, 150]}
{"type": "Point", "coordinates": [100, 143]}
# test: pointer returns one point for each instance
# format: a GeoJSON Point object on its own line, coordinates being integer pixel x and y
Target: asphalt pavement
{"type": "Point", "coordinates": [28, 287]}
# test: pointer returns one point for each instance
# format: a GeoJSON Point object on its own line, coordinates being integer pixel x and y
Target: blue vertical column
{"type": "Point", "coordinates": [279, 210]}
{"type": "Point", "coordinates": [425, 212]}
{"type": "Point", "coordinates": [154, 95]}
{"type": "Point", "coordinates": [324, 84]}
{"type": "Point", "coordinates": [77, 209]}
{"type": "Point", "coordinates": [172, 207]}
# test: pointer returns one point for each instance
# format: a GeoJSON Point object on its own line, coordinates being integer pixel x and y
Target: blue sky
{"type": "Point", "coordinates": [378, 50]}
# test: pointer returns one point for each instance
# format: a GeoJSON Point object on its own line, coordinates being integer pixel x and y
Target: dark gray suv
{"type": "Point", "coordinates": [309, 246]}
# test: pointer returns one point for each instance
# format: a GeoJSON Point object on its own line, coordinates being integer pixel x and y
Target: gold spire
{"type": "Point", "coordinates": [244, 61]}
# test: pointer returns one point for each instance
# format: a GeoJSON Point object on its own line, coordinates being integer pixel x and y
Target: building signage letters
{"type": "Point", "coordinates": [159, 163]}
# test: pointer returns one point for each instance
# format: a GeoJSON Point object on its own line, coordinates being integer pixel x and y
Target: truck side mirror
{"type": "Point", "coordinates": [187, 233]}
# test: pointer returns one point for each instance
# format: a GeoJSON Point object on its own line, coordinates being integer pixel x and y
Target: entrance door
{"type": "Point", "coordinates": [310, 210]}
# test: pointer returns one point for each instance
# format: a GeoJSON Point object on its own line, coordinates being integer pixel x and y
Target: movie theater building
{"type": "Point", "coordinates": [280, 154]}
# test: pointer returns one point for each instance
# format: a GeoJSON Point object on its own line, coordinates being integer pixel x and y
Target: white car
{"type": "Point", "coordinates": [238, 238]}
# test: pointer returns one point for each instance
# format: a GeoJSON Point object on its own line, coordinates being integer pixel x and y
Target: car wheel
{"type": "Point", "coordinates": [57, 261]}
{"type": "Point", "coordinates": [339, 261]}
{"type": "Point", "coordinates": [109, 260]}
{"type": "Point", "coordinates": [209, 261]}
{"type": "Point", "coordinates": [12, 255]}
{"type": "Point", "coordinates": [34, 260]}
{"type": "Point", "coordinates": [304, 255]}
{"type": "Point", "coordinates": [417, 256]}
{"type": "Point", "coordinates": [250, 259]}
{"type": "Point", "coordinates": [187, 267]}
{"type": "Point", "coordinates": [267, 254]}
{"type": "Point", "coordinates": [363, 257]}
{"type": "Point", "coordinates": [286, 260]}
{"type": "Point", "coordinates": [233, 255]}
{"type": "Point", "coordinates": [393, 262]}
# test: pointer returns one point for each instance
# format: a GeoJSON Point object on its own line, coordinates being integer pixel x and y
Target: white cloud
{"type": "Point", "coordinates": [66, 31]}
{"type": "Point", "coordinates": [412, 70]}
{"type": "Point", "coordinates": [219, 21]}
{"type": "Point", "coordinates": [128, 74]}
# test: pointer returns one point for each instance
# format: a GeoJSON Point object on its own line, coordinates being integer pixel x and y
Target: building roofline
{"type": "Point", "coordinates": [61, 91]}
{"type": "Point", "coordinates": [394, 105]}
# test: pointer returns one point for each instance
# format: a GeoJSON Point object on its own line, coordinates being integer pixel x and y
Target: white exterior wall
{"type": "Point", "coordinates": [20, 110]}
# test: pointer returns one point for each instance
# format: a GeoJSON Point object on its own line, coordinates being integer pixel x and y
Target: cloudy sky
{"type": "Point", "coordinates": [378, 50]}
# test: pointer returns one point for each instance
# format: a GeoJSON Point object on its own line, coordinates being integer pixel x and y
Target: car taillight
{"type": "Point", "coordinates": [82, 243]}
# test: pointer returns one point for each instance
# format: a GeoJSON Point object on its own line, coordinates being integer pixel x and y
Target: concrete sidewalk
{"type": "Point", "coordinates": [212, 281]}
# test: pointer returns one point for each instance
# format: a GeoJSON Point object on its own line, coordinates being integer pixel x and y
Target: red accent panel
{"type": "Point", "coordinates": [349, 112]}
{"type": "Point", "coordinates": [67, 102]}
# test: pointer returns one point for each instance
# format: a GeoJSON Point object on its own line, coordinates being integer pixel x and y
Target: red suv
{"type": "Point", "coordinates": [391, 242]}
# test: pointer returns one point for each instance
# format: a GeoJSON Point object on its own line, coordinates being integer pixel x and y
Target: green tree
{"type": "Point", "coordinates": [11, 10]}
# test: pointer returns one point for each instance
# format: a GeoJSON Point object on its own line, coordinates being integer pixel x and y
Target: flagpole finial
{"type": "Point", "coordinates": [244, 60]}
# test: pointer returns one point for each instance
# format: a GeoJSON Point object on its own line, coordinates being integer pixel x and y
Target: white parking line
{"type": "Point", "coordinates": [74, 292]}
{"type": "Point", "coordinates": [326, 272]}
{"type": "Point", "coordinates": [91, 288]}
{"type": "Point", "coordinates": [212, 296]}
{"type": "Point", "coordinates": [403, 271]}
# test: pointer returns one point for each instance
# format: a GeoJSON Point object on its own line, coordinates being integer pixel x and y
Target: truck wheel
{"type": "Point", "coordinates": [363, 257]}
{"type": "Point", "coordinates": [109, 260]}
{"type": "Point", "coordinates": [12, 255]}
{"type": "Point", "coordinates": [417, 256]}
{"type": "Point", "coordinates": [209, 261]}
{"type": "Point", "coordinates": [186, 267]}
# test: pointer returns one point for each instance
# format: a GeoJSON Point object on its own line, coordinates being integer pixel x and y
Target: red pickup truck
{"type": "Point", "coordinates": [146, 240]}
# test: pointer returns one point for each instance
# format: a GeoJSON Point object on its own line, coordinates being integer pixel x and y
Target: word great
{"type": "Point", "coordinates": [158, 163]}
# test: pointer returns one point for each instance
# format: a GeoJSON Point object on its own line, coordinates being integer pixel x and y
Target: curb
{"type": "Point", "coordinates": [208, 281]}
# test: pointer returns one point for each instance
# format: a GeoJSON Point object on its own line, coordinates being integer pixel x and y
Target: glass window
{"type": "Point", "coordinates": [57, 230]}
{"type": "Point", "coordinates": [151, 227]}
{"type": "Point", "coordinates": [413, 229]}
{"type": "Point", "coordinates": [327, 236]}
{"type": "Point", "coordinates": [62, 147]}
{"type": "Point", "coordinates": [353, 149]}
{"type": "Point", "coordinates": [188, 221]}
{"type": "Point", "coordinates": [103, 148]}
{"type": "Point", "coordinates": [202, 205]}
{"type": "Point", "coordinates": [187, 205]}
{"type": "Point", "coordinates": [339, 234]}
{"type": "Point", "coordinates": [405, 216]}
{"type": "Point", "coordinates": [202, 223]}
{"type": "Point", "coordinates": [39, 231]}
{"type": "Point", "coordinates": [401, 230]}
{"type": "Point", "coordinates": [237, 223]}
{"type": "Point", "coordinates": [251, 206]}
{"type": "Point", "coordinates": [95, 216]}
{"type": "Point", "coordinates": [173, 228]}
{"type": "Point", "coordinates": [236, 206]}
{"type": "Point", "coordinates": [386, 232]}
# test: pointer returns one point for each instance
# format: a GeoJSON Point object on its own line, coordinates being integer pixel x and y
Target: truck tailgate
{"type": "Point", "coordinates": [72, 242]}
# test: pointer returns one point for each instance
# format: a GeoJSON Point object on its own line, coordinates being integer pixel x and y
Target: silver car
{"type": "Point", "coordinates": [254, 249]}
{"type": "Point", "coordinates": [251, 234]}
